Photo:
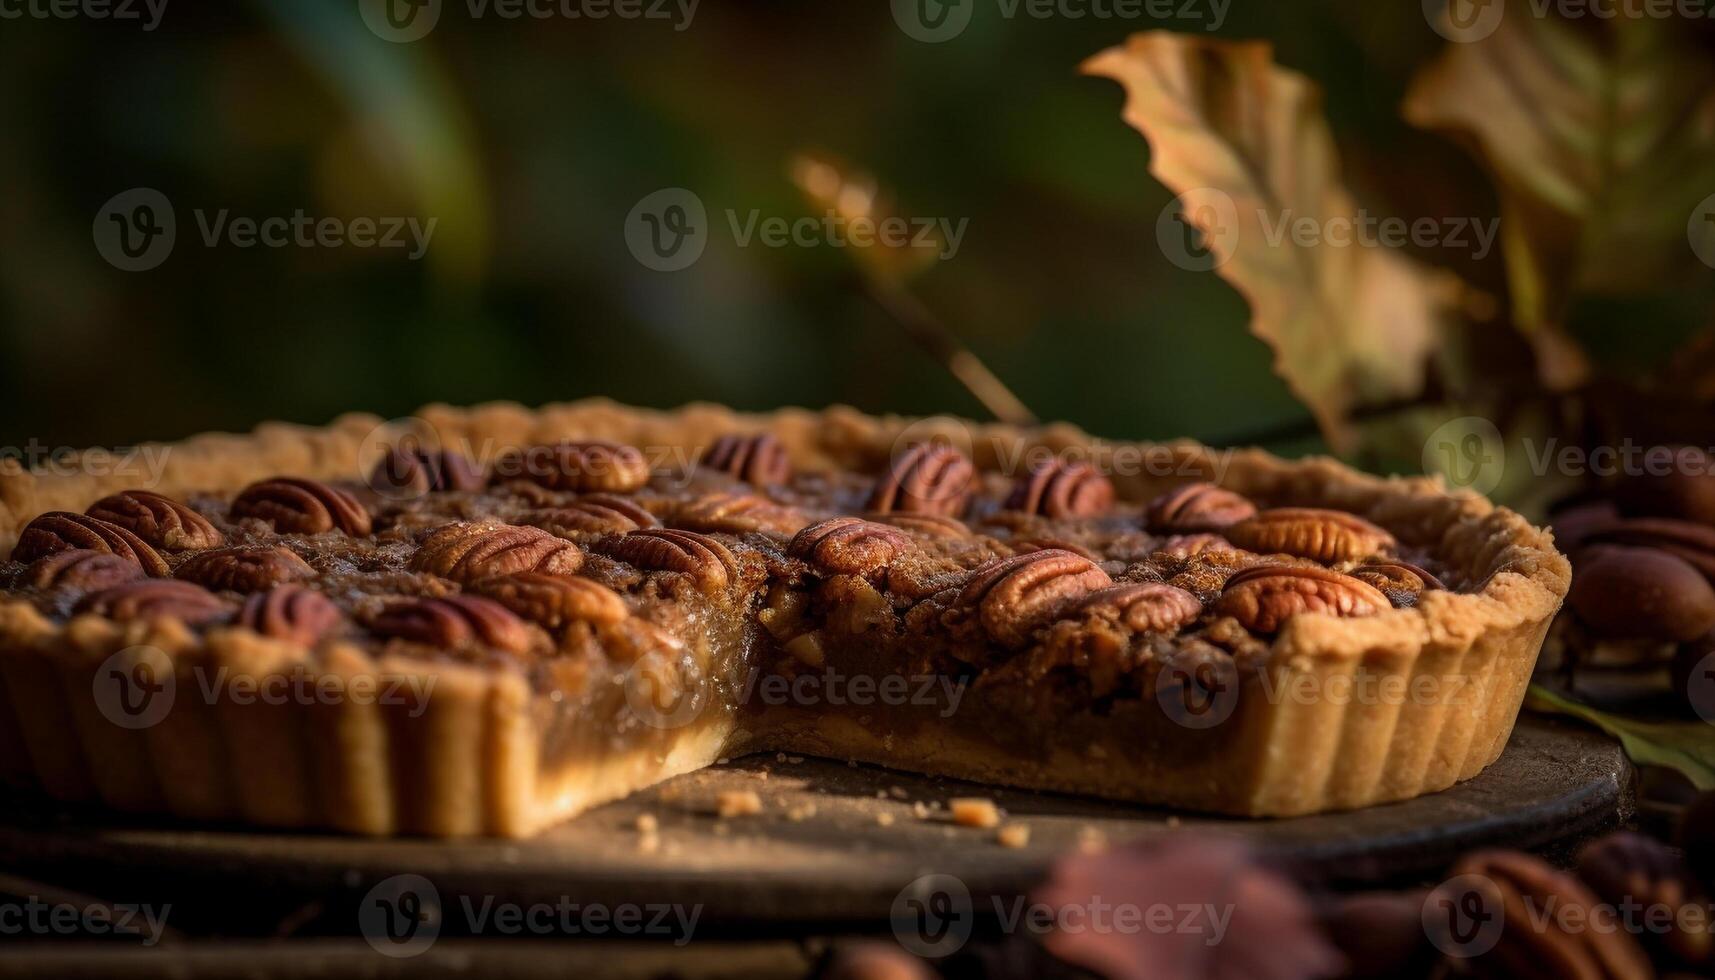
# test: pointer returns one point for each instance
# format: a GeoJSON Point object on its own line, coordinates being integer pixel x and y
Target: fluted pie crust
{"type": "Point", "coordinates": [475, 760]}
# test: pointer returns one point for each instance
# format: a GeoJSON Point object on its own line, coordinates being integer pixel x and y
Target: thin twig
{"type": "Point", "coordinates": [933, 336]}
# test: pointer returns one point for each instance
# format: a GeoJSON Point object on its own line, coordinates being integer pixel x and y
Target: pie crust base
{"type": "Point", "coordinates": [471, 759]}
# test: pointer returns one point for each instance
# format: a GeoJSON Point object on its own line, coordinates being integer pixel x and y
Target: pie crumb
{"type": "Point", "coordinates": [1014, 835]}
{"type": "Point", "coordinates": [738, 803]}
{"type": "Point", "coordinates": [884, 819]}
{"type": "Point", "coordinates": [974, 811]}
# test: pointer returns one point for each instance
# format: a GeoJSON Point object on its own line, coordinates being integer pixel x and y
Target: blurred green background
{"type": "Point", "coordinates": [530, 140]}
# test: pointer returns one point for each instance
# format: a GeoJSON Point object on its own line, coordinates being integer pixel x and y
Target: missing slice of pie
{"type": "Point", "coordinates": [482, 622]}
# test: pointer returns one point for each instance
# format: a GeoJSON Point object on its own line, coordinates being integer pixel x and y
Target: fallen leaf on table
{"type": "Point", "coordinates": [1685, 746]}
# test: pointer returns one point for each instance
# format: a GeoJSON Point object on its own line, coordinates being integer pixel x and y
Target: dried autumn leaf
{"type": "Point", "coordinates": [1240, 139]}
{"type": "Point", "coordinates": [1601, 136]}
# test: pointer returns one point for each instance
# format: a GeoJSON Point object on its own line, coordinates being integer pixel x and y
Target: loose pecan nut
{"type": "Point", "coordinates": [186, 602]}
{"type": "Point", "coordinates": [466, 552]}
{"type": "Point", "coordinates": [737, 513]}
{"type": "Point", "coordinates": [1195, 508]}
{"type": "Point", "coordinates": [849, 546]}
{"type": "Point", "coordinates": [578, 466]}
{"type": "Point", "coordinates": [294, 506]}
{"type": "Point", "coordinates": [1265, 597]}
{"type": "Point", "coordinates": [553, 601]}
{"type": "Point", "coordinates": [1690, 543]}
{"type": "Point", "coordinates": [161, 521]}
{"type": "Point", "coordinates": [79, 568]}
{"type": "Point", "coordinates": [699, 556]}
{"type": "Point", "coordinates": [1015, 595]}
{"type": "Point", "coordinates": [1622, 591]}
{"type": "Point", "coordinates": [292, 613]}
{"type": "Point", "coordinates": [1057, 488]}
{"type": "Point", "coordinates": [1144, 607]}
{"type": "Point", "coordinates": [243, 569]}
{"type": "Point", "coordinates": [60, 530]}
{"type": "Point", "coordinates": [1518, 887]}
{"type": "Point", "coordinates": [453, 621]}
{"type": "Point", "coordinates": [928, 478]}
{"type": "Point", "coordinates": [414, 472]}
{"type": "Point", "coordinates": [596, 513]}
{"type": "Point", "coordinates": [1310, 532]}
{"type": "Point", "coordinates": [759, 459]}
{"type": "Point", "coordinates": [1628, 870]}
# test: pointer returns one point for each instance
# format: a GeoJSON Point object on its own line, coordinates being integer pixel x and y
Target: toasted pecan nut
{"type": "Point", "coordinates": [1310, 532]}
{"type": "Point", "coordinates": [161, 521]}
{"type": "Point", "coordinates": [186, 602]}
{"type": "Point", "coordinates": [292, 613]}
{"type": "Point", "coordinates": [938, 526]}
{"type": "Point", "coordinates": [1624, 591]}
{"type": "Point", "coordinates": [849, 546]}
{"type": "Point", "coordinates": [1015, 595]}
{"type": "Point", "coordinates": [1519, 887]}
{"type": "Point", "coordinates": [1628, 870]}
{"type": "Point", "coordinates": [596, 513]}
{"type": "Point", "coordinates": [1402, 582]}
{"type": "Point", "coordinates": [1265, 597]}
{"type": "Point", "coordinates": [1057, 488]}
{"type": "Point", "coordinates": [1188, 545]}
{"type": "Point", "coordinates": [295, 506]}
{"type": "Point", "coordinates": [737, 513]}
{"type": "Point", "coordinates": [1195, 508]}
{"type": "Point", "coordinates": [1144, 607]}
{"type": "Point", "coordinates": [583, 467]}
{"type": "Point", "coordinates": [928, 478]}
{"type": "Point", "coordinates": [552, 601]}
{"type": "Point", "coordinates": [759, 459]}
{"type": "Point", "coordinates": [81, 569]}
{"type": "Point", "coordinates": [416, 471]}
{"type": "Point", "coordinates": [60, 530]}
{"type": "Point", "coordinates": [1691, 543]}
{"type": "Point", "coordinates": [243, 569]}
{"type": "Point", "coordinates": [699, 556]}
{"type": "Point", "coordinates": [453, 621]}
{"type": "Point", "coordinates": [466, 552]}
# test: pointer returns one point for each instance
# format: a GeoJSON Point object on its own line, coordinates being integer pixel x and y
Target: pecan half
{"type": "Point", "coordinates": [1015, 595]}
{"type": "Point", "coordinates": [924, 525]}
{"type": "Point", "coordinates": [243, 569]}
{"type": "Point", "coordinates": [1144, 607]}
{"type": "Point", "coordinates": [1265, 597]}
{"type": "Point", "coordinates": [1518, 887]}
{"type": "Point", "coordinates": [1628, 870]}
{"type": "Point", "coordinates": [466, 552]}
{"type": "Point", "coordinates": [1401, 581]}
{"type": "Point", "coordinates": [453, 621]}
{"type": "Point", "coordinates": [579, 466]}
{"type": "Point", "coordinates": [1691, 543]}
{"type": "Point", "coordinates": [81, 569]}
{"type": "Point", "coordinates": [928, 478]}
{"type": "Point", "coordinates": [553, 601]}
{"type": "Point", "coordinates": [292, 613]}
{"type": "Point", "coordinates": [1058, 488]}
{"type": "Point", "coordinates": [849, 546]}
{"type": "Point", "coordinates": [704, 559]}
{"type": "Point", "coordinates": [186, 602]}
{"type": "Point", "coordinates": [59, 530]}
{"type": "Point", "coordinates": [737, 513]}
{"type": "Point", "coordinates": [1310, 532]}
{"type": "Point", "coordinates": [759, 459]}
{"type": "Point", "coordinates": [161, 521]}
{"type": "Point", "coordinates": [294, 506]}
{"type": "Point", "coordinates": [414, 472]}
{"type": "Point", "coordinates": [597, 513]}
{"type": "Point", "coordinates": [1195, 508]}
{"type": "Point", "coordinates": [1188, 545]}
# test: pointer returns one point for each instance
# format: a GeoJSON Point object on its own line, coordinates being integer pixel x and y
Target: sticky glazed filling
{"type": "Point", "coordinates": [748, 588]}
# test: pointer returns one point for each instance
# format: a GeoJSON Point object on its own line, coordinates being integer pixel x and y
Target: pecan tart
{"type": "Point", "coordinates": [484, 621]}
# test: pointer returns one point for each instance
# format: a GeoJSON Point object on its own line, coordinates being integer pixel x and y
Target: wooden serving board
{"type": "Point", "coordinates": [834, 844]}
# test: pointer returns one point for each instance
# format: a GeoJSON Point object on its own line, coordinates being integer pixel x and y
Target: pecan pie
{"type": "Point", "coordinates": [485, 621]}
